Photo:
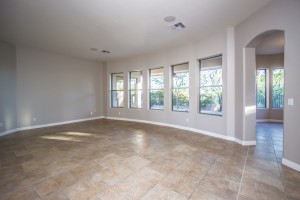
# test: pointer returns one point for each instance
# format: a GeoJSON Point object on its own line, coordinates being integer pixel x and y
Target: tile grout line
{"type": "Point", "coordinates": [237, 197]}
{"type": "Point", "coordinates": [201, 180]}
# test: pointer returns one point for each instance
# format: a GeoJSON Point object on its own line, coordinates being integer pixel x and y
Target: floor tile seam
{"type": "Point", "coordinates": [237, 197]}
{"type": "Point", "coordinates": [201, 179]}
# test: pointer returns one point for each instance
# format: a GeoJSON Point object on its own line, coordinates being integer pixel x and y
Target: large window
{"type": "Point", "coordinates": [180, 87]}
{"type": "Point", "coordinates": [277, 87]}
{"type": "Point", "coordinates": [261, 78]}
{"type": "Point", "coordinates": [211, 86]}
{"type": "Point", "coordinates": [156, 88]}
{"type": "Point", "coordinates": [136, 89]}
{"type": "Point", "coordinates": [117, 90]}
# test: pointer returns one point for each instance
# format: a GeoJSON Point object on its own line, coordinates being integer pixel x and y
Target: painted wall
{"type": "Point", "coordinates": [269, 62]}
{"type": "Point", "coordinates": [8, 115]}
{"type": "Point", "coordinates": [55, 88]}
{"type": "Point", "coordinates": [278, 15]}
{"type": "Point", "coordinates": [213, 45]}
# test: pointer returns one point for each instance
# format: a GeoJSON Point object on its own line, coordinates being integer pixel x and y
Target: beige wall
{"type": "Point", "coordinates": [49, 87]}
{"type": "Point", "coordinates": [7, 87]}
{"type": "Point", "coordinates": [278, 15]}
{"type": "Point", "coordinates": [213, 45]}
{"type": "Point", "coordinates": [55, 88]}
{"type": "Point", "coordinates": [269, 62]}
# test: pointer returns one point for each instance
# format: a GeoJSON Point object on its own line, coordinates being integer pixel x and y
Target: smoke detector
{"type": "Point", "coordinates": [177, 26]}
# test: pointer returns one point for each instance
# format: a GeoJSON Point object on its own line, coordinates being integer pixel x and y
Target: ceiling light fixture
{"type": "Point", "coordinates": [105, 51]}
{"type": "Point", "coordinates": [170, 19]}
{"type": "Point", "coordinates": [177, 26]}
{"type": "Point", "coordinates": [93, 49]}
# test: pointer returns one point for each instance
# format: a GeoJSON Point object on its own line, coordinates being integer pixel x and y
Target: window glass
{"type": "Point", "coordinates": [180, 87]}
{"type": "Point", "coordinates": [211, 97]}
{"type": "Point", "coordinates": [156, 88]}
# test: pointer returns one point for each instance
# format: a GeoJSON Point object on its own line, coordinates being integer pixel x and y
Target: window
{"type": "Point", "coordinates": [156, 86]}
{"type": "Point", "coordinates": [277, 87]}
{"type": "Point", "coordinates": [136, 89]}
{"type": "Point", "coordinates": [180, 87]}
{"type": "Point", "coordinates": [261, 78]}
{"type": "Point", "coordinates": [211, 86]}
{"type": "Point", "coordinates": [117, 90]}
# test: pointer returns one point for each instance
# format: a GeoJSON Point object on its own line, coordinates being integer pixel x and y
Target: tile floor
{"type": "Point", "coordinates": [106, 159]}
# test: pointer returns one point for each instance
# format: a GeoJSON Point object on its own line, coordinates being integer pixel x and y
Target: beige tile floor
{"type": "Point", "coordinates": [106, 159]}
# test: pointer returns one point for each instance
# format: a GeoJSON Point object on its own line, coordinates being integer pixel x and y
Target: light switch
{"type": "Point", "coordinates": [290, 102]}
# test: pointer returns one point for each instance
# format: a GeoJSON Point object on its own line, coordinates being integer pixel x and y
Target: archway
{"type": "Point", "coordinates": [267, 44]}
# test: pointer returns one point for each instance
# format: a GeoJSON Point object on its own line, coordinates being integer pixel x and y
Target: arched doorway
{"type": "Point", "coordinates": [263, 91]}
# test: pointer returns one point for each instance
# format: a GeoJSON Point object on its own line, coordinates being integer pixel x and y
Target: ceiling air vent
{"type": "Point", "coordinates": [177, 26]}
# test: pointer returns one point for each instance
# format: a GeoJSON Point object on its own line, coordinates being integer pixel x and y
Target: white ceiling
{"type": "Point", "coordinates": [124, 27]}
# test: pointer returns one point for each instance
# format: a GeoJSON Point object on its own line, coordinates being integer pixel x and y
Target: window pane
{"type": "Point", "coordinates": [157, 99]}
{"type": "Point", "coordinates": [117, 81]}
{"type": "Point", "coordinates": [136, 89]}
{"type": "Point", "coordinates": [136, 98]}
{"type": "Point", "coordinates": [211, 86]}
{"type": "Point", "coordinates": [180, 76]}
{"type": "Point", "coordinates": [117, 98]}
{"type": "Point", "coordinates": [117, 93]}
{"type": "Point", "coordinates": [180, 92]}
{"type": "Point", "coordinates": [261, 88]}
{"type": "Point", "coordinates": [136, 80]}
{"type": "Point", "coordinates": [180, 99]}
{"type": "Point", "coordinates": [156, 96]}
{"type": "Point", "coordinates": [277, 88]}
{"type": "Point", "coordinates": [211, 100]}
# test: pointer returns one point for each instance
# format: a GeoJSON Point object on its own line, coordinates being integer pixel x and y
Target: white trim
{"type": "Point", "coordinates": [47, 125]}
{"type": "Point", "coordinates": [269, 120]}
{"type": "Point", "coordinates": [246, 143]}
{"type": "Point", "coordinates": [291, 164]}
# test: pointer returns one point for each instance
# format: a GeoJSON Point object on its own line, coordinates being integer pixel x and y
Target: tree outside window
{"type": "Point", "coordinates": [211, 97]}
{"type": "Point", "coordinates": [156, 88]}
{"type": "Point", "coordinates": [180, 87]}
{"type": "Point", "coordinates": [277, 88]}
{"type": "Point", "coordinates": [261, 88]}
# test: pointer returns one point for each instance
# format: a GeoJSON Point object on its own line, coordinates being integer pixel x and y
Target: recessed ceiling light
{"type": "Point", "coordinates": [105, 51]}
{"type": "Point", "coordinates": [170, 19]}
{"type": "Point", "coordinates": [93, 49]}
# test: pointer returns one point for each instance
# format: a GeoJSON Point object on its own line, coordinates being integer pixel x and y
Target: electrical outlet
{"type": "Point", "coordinates": [187, 120]}
{"type": "Point", "coordinates": [33, 119]}
{"type": "Point", "coordinates": [1, 124]}
{"type": "Point", "coordinates": [119, 113]}
{"type": "Point", "coordinates": [92, 113]}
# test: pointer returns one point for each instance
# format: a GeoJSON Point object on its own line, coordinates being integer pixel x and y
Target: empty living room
{"type": "Point", "coordinates": [149, 100]}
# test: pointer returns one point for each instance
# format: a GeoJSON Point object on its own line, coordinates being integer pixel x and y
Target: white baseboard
{"type": "Point", "coordinates": [270, 120]}
{"type": "Point", "coordinates": [291, 164]}
{"type": "Point", "coordinates": [48, 125]}
{"type": "Point", "coordinates": [246, 143]}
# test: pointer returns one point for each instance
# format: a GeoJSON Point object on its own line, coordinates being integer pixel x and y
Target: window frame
{"type": "Point", "coordinates": [112, 90]}
{"type": "Point", "coordinates": [277, 108]}
{"type": "Point", "coordinates": [266, 88]}
{"type": "Point", "coordinates": [221, 86]}
{"type": "Point", "coordinates": [150, 89]}
{"type": "Point", "coordinates": [130, 90]}
{"type": "Point", "coordinates": [172, 87]}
